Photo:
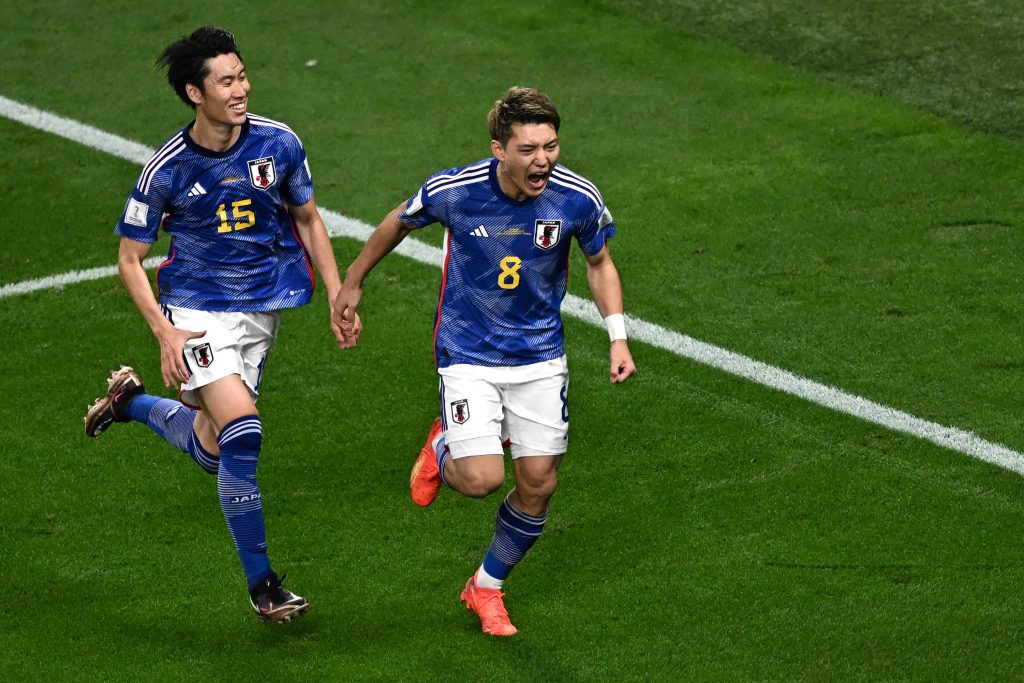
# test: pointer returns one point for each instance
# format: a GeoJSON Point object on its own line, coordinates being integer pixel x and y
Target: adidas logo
{"type": "Point", "coordinates": [196, 190]}
{"type": "Point", "coordinates": [480, 232]}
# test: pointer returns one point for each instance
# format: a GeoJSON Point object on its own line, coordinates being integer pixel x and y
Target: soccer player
{"type": "Point", "coordinates": [509, 221]}
{"type": "Point", "coordinates": [235, 193]}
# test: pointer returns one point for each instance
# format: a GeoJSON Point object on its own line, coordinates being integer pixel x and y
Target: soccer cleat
{"type": "Point", "coordinates": [273, 602]}
{"type": "Point", "coordinates": [489, 606]}
{"type": "Point", "coordinates": [425, 479]}
{"type": "Point", "coordinates": [123, 385]}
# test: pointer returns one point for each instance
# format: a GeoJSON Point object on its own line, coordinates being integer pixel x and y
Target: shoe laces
{"type": "Point", "coordinates": [490, 603]}
{"type": "Point", "coordinates": [272, 590]}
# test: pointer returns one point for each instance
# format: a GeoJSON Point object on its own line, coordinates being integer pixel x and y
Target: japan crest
{"type": "Point", "coordinates": [203, 355]}
{"type": "Point", "coordinates": [545, 233]}
{"type": "Point", "coordinates": [262, 173]}
{"type": "Point", "coordinates": [460, 411]}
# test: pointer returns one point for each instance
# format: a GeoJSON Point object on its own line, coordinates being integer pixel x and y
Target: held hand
{"type": "Point", "coordinates": [351, 328]}
{"type": "Point", "coordinates": [345, 318]}
{"type": "Point", "coordinates": [622, 366]}
{"type": "Point", "coordinates": [172, 360]}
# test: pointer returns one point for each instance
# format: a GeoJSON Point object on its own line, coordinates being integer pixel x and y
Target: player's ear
{"type": "Point", "coordinates": [497, 150]}
{"type": "Point", "coordinates": [193, 93]}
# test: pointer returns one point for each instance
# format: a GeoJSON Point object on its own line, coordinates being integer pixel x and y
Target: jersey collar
{"type": "Point", "coordinates": [198, 149]}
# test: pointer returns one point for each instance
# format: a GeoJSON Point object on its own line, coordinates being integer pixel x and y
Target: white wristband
{"type": "Point", "coordinates": [616, 324]}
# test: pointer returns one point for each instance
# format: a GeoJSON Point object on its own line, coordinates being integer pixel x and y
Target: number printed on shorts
{"type": "Point", "coordinates": [509, 276]}
{"type": "Point", "coordinates": [244, 218]}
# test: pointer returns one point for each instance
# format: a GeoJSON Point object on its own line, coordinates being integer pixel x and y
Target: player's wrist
{"type": "Point", "coordinates": [616, 325]}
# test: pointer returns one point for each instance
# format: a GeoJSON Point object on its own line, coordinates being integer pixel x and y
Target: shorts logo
{"type": "Point", "coordinates": [546, 233]}
{"type": "Point", "coordinates": [203, 354]}
{"type": "Point", "coordinates": [262, 173]}
{"type": "Point", "coordinates": [460, 411]}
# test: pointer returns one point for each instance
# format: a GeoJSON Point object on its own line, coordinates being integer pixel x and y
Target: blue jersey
{"type": "Point", "coordinates": [506, 263]}
{"type": "Point", "coordinates": [233, 244]}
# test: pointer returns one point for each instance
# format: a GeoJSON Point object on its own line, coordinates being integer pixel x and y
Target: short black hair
{"type": "Point", "coordinates": [185, 58]}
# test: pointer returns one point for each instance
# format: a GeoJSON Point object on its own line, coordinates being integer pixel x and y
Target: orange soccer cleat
{"type": "Point", "coordinates": [425, 479]}
{"type": "Point", "coordinates": [489, 606]}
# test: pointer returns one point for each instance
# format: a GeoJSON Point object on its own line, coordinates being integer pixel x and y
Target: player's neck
{"type": "Point", "coordinates": [213, 136]}
{"type": "Point", "coordinates": [508, 187]}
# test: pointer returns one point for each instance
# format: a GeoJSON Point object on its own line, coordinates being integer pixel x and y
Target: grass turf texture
{"type": "Point", "coordinates": [705, 527]}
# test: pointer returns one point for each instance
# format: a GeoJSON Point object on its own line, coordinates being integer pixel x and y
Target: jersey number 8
{"type": "Point", "coordinates": [509, 276]}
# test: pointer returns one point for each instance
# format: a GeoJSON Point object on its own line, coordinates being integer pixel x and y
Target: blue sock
{"type": "Point", "coordinates": [172, 421]}
{"type": "Point", "coordinates": [515, 532]}
{"type": "Point", "coordinates": [139, 407]}
{"type": "Point", "coordinates": [442, 458]}
{"type": "Point", "coordinates": [240, 442]}
{"type": "Point", "coordinates": [202, 457]}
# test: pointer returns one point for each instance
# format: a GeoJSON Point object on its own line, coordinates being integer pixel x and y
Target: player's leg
{"type": "Point", "coordinates": [536, 481]}
{"type": "Point", "coordinates": [537, 421]}
{"type": "Point", "coordinates": [181, 426]}
{"type": "Point", "coordinates": [463, 449]}
{"type": "Point", "coordinates": [228, 405]}
{"type": "Point", "coordinates": [235, 344]}
{"type": "Point", "coordinates": [475, 468]}
{"type": "Point", "coordinates": [173, 421]}
{"type": "Point", "coordinates": [230, 410]}
{"type": "Point", "coordinates": [520, 518]}
{"type": "Point", "coordinates": [474, 474]}
{"type": "Point", "coordinates": [226, 368]}
{"type": "Point", "coordinates": [520, 521]}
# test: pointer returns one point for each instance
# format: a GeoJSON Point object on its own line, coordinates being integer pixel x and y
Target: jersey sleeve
{"type": "Point", "coordinates": [298, 186]}
{"type": "Point", "coordinates": [598, 228]}
{"type": "Point", "coordinates": [143, 212]}
{"type": "Point", "coordinates": [425, 207]}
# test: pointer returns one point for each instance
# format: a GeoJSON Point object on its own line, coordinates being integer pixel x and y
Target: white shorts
{"type": "Point", "coordinates": [528, 404]}
{"type": "Point", "coordinates": [234, 344]}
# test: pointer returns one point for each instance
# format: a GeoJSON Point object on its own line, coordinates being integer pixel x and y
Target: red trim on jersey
{"type": "Point", "coordinates": [170, 259]}
{"type": "Point", "coordinates": [305, 252]}
{"type": "Point", "coordinates": [444, 283]}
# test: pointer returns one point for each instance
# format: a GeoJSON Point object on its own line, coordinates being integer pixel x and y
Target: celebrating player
{"type": "Point", "coordinates": [509, 221]}
{"type": "Point", "coordinates": [235, 193]}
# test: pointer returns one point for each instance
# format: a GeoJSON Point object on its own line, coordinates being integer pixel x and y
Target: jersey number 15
{"type": "Point", "coordinates": [243, 217]}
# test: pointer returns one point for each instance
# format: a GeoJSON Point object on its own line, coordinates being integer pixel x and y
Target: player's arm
{"type": "Point", "coordinates": [171, 339]}
{"type": "Point", "coordinates": [603, 277]}
{"type": "Point", "coordinates": [384, 239]}
{"type": "Point", "coordinates": [313, 234]}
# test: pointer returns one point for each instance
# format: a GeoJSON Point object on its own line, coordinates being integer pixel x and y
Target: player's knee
{"type": "Point", "coordinates": [206, 433]}
{"type": "Point", "coordinates": [481, 484]}
{"type": "Point", "coordinates": [538, 487]}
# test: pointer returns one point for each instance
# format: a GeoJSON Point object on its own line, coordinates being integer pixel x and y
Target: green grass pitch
{"type": "Point", "coordinates": [833, 192]}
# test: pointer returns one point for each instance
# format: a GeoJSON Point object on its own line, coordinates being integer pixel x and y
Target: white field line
{"type": "Point", "coordinates": [641, 330]}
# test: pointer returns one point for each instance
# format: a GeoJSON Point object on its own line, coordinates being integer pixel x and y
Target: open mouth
{"type": "Point", "coordinates": [537, 181]}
